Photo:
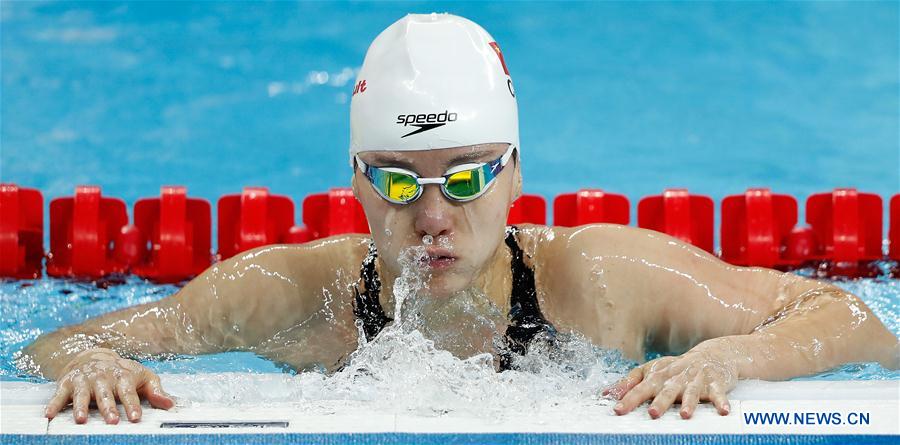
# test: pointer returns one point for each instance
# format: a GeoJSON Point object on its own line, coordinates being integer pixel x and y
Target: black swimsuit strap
{"type": "Point", "coordinates": [525, 316]}
{"type": "Point", "coordinates": [367, 308]}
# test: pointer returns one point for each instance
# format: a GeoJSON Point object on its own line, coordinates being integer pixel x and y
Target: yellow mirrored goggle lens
{"type": "Point", "coordinates": [400, 187]}
{"type": "Point", "coordinates": [465, 184]}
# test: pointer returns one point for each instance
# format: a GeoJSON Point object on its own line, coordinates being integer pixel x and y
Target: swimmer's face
{"type": "Point", "coordinates": [465, 234]}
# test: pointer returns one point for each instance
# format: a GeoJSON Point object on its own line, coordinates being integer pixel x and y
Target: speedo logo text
{"type": "Point", "coordinates": [425, 121]}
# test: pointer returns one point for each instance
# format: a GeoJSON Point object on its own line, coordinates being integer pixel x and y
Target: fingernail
{"type": "Point", "coordinates": [619, 406]}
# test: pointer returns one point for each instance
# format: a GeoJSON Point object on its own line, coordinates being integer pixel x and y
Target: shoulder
{"type": "Point", "coordinates": [565, 244]}
{"type": "Point", "coordinates": [572, 245]}
{"type": "Point", "coordinates": [313, 263]}
{"type": "Point", "coordinates": [335, 249]}
{"type": "Point", "coordinates": [571, 258]}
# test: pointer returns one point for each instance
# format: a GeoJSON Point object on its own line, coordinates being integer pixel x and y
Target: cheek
{"type": "Point", "coordinates": [487, 218]}
{"type": "Point", "coordinates": [388, 223]}
{"type": "Point", "coordinates": [376, 210]}
{"type": "Point", "coordinates": [489, 212]}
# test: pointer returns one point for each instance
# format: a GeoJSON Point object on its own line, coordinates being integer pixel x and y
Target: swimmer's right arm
{"type": "Point", "coordinates": [92, 360]}
{"type": "Point", "coordinates": [233, 305]}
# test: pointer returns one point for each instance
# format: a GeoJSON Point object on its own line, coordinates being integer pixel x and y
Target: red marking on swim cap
{"type": "Point", "coordinates": [499, 56]}
{"type": "Point", "coordinates": [360, 87]}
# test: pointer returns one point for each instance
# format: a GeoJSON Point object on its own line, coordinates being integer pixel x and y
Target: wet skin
{"type": "Point", "coordinates": [621, 287]}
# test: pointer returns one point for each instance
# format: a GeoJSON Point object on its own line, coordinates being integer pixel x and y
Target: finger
{"type": "Point", "coordinates": [637, 395]}
{"type": "Point", "coordinates": [666, 396]}
{"type": "Point", "coordinates": [59, 400]}
{"type": "Point", "coordinates": [151, 389]}
{"type": "Point", "coordinates": [129, 398]}
{"type": "Point", "coordinates": [81, 399]}
{"type": "Point", "coordinates": [717, 396]}
{"type": "Point", "coordinates": [691, 397]}
{"type": "Point", "coordinates": [106, 401]}
{"type": "Point", "coordinates": [625, 384]}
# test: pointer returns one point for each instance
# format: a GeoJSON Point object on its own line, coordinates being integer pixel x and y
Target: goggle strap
{"type": "Point", "coordinates": [505, 158]}
{"type": "Point", "coordinates": [361, 165]}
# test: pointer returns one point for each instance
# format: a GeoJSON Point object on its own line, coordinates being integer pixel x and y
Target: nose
{"type": "Point", "coordinates": [433, 212]}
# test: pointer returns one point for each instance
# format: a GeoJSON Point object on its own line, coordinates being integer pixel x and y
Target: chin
{"type": "Point", "coordinates": [444, 285]}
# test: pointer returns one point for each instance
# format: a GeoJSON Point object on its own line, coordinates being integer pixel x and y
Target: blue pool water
{"type": "Point", "coordinates": [716, 97]}
{"type": "Point", "coordinates": [32, 307]}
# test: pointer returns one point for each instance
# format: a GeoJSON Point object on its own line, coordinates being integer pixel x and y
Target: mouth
{"type": "Point", "coordinates": [438, 258]}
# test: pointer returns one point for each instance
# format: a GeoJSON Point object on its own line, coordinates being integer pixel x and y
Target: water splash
{"type": "Point", "coordinates": [440, 355]}
{"type": "Point", "coordinates": [410, 366]}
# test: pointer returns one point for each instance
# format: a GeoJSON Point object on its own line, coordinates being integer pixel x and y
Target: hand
{"type": "Point", "coordinates": [701, 374]}
{"type": "Point", "coordinates": [104, 376]}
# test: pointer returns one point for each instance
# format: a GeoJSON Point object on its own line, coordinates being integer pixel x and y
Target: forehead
{"type": "Point", "coordinates": [440, 157]}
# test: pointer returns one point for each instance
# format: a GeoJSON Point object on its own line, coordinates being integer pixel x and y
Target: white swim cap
{"type": "Point", "coordinates": [432, 81]}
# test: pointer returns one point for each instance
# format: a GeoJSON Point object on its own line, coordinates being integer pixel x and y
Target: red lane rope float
{"type": "Point", "coordinates": [847, 227]}
{"type": "Point", "coordinates": [174, 233]}
{"type": "Point", "coordinates": [83, 233]}
{"type": "Point", "coordinates": [528, 209]}
{"type": "Point", "coordinates": [333, 213]}
{"type": "Point", "coordinates": [252, 219]}
{"type": "Point", "coordinates": [894, 234]}
{"type": "Point", "coordinates": [894, 231]}
{"type": "Point", "coordinates": [170, 239]}
{"type": "Point", "coordinates": [590, 206]}
{"type": "Point", "coordinates": [680, 214]}
{"type": "Point", "coordinates": [756, 227]}
{"type": "Point", "coordinates": [21, 232]}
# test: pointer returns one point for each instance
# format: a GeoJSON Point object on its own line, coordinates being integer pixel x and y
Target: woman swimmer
{"type": "Point", "coordinates": [435, 155]}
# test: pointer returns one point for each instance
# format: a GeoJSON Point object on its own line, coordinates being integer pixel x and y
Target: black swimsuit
{"type": "Point", "coordinates": [526, 319]}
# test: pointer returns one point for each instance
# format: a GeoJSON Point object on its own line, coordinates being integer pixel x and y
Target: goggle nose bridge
{"type": "Point", "coordinates": [423, 181]}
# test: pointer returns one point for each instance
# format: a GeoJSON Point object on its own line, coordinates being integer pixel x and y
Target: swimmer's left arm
{"type": "Point", "coordinates": [818, 330]}
{"type": "Point", "coordinates": [733, 322]}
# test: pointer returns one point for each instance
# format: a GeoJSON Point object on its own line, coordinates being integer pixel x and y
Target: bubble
{"type": "Point", "coordinates": [427, 240]}
{"type": "Point", "coordinates": [441, 355]}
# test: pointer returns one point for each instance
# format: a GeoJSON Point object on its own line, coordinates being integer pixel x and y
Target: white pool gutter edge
{"type": "Point", "coordinates": [863, 407]}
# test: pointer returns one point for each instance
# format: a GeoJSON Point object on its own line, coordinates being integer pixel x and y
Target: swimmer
{"type": "Point", "coordinates": [436, 165]}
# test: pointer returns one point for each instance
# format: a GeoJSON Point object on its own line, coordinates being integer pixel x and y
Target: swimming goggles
{"type": "Point", "coordinates": [461, 183]}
